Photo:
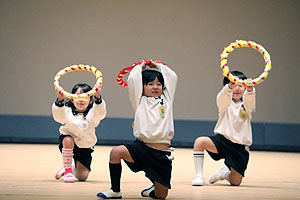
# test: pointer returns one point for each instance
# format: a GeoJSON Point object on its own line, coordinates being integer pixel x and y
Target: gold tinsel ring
{"type": "Point", "coordinates": [243, 43]}
{"type": "Point", "coordinates": [71, 68]}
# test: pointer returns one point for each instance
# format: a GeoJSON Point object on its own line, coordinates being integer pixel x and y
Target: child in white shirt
{"type": "Point", "coordinates": [233, 134]}
{"type": "Point", "coordinates": [79, 118]}
{"type": "Point", "coordinates": [151, 92]}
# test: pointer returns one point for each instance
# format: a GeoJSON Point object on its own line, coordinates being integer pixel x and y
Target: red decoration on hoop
{"type": "Point", "coordinates": [129, 68]}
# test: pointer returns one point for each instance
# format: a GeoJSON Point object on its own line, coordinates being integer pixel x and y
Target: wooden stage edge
{"type": "Point", "coordinates": [27, 172]}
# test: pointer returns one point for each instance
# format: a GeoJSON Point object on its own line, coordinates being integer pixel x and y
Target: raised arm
{"type": "Point", "coordinates": [224, 98]}
{"type": "Point", "coordinates": [170, 78]}
{"type": "Point", "coordinates": [249, 100]}
{"type": "Point", "coordinates": [58, 111]}
{"type": "Point", "coordinates": [135, 85]}
{"type": "Point", "coordinates": [58, 107]}
{"type": "Point", "coordinates": [99, 111]}
{"type": "Point", "coordinates": [99, 107]}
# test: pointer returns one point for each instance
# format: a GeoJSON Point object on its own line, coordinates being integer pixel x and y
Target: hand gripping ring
{"type": "Point", "coordinates": [243, 43]}
{"type": "Point", "coordinates": [92, 69]}
{"type": "Point", "coordinates": [129, 68]}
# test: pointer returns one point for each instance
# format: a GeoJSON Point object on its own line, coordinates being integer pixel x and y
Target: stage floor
{"type": "Point", "coordinates": [27, 172]}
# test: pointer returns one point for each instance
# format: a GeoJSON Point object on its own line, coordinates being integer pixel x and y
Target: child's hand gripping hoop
{"type": "Point", "coordinates": [130, 67]}
{"type": "Point", "coordinates": [92, 69]}
{"type": "Point", "coordinates": [243, 43]}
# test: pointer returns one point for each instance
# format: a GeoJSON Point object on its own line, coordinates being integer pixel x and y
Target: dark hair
{"type": "Point", "coordinates": [85, 88]}
{"type": "Point", "coordinates": [150, 75]}
{"type": "Point", "coordinates": [238, 74]}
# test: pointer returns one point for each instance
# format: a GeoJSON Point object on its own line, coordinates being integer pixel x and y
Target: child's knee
{"type": "Point", "coordinates": [235, 182]}
{"type": "Point", "coordinates": [161, 195]}
{"type": "Point", "coordinates": [68, 142]}
{"type": "Point", "coordinates": [116, 152]}
{"type": "Point", "coordinates": [199, 143]}
{"type": "Point", "coordinates": [235, 178]}
{"type": "Point", "coordinates": [82, 178]}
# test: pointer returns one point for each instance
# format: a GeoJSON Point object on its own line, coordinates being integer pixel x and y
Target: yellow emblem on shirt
{"type": "Point", "coordinates": [162, 111]}
{"type": "Point", "coordinates": [243, 114]}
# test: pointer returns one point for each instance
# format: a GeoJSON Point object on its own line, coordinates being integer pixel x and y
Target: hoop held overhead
{"type": "Point", "coordinates": [129, 68]}
{"type": "Point", "coordinates": [71, 68]}
{"type": "Point", "coordinates": [243, 43]}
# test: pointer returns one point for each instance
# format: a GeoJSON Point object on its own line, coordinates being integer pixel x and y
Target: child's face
{"type": "Point", "coordinates": [81, 103]}
{"type": "Point", "coordinates": [238, 91]}
{"type": "Point", "coordinates": [153, 89]}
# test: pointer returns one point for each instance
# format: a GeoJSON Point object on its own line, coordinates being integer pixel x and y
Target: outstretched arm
{"type": "Point", "coordinates": [99, 108]}
{"type": "Point", "coordinates": [250, 99]}
{"type": "Point", "coordinates": [58, 108]}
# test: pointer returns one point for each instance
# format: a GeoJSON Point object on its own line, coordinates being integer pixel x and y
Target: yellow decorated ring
{"type": "Point", "coordinates": [243, 43]}
{"type": "Point", "coordinates": [92, 69]}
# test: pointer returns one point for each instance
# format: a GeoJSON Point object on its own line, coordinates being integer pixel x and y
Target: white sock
{"type": "Point", "coordinates": [198, 161]}
{"type": "Point", "coordinates": [225, 176]}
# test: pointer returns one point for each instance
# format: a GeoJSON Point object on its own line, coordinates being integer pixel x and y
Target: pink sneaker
{"type": "Point", "coordinates": [60, 173]}
{"type": "Point", "coordinates": [69, 178]}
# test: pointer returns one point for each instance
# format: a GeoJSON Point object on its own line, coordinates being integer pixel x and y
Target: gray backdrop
{"type": "Point", "coordinates": [40, 37]}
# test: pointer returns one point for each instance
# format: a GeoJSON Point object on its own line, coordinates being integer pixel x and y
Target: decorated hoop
{"type": "Point", "coordinates": [92, 69]}
{"type": "Point", "coordinates": [243, 43]}
{"type": "Point", "coordinates": [129, 68]}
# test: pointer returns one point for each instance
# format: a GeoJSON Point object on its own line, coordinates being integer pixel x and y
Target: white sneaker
{"type": "Point", "coordinates": [198, 181]}
{"type": "Point", "coordinates": [146, 192]}
{"type": "Point", "coordinates": [109, 194]}
{"type": "Point", "coordinates": [219, 175]}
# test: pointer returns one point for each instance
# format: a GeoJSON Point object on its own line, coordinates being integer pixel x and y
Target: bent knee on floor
{"type": "Point", "coordinates": [235, 182]}
{"type": "Point", "coordinates": [161, 196]}
{"type": "Point", "coordinates": [82, 177]}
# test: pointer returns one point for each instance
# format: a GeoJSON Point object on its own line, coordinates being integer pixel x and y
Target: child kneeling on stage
{"type": "Point", "coordinates": [233, 134]}
{"type": "Point", "coordinates": [79, 118]}
{"type": "Point", "coordinates": [151, 92]}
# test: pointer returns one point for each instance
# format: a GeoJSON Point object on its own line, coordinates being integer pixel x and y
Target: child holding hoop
{"type": "Point", "coordinates": [233, 134]}
{"type": "Point", "coordinates": [79, 118]}
{"type": "Point", "coordinates": [151, 92]}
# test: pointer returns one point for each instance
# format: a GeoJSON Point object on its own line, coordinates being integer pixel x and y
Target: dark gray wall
{"type": "Point", "coordinates": [38, 38]}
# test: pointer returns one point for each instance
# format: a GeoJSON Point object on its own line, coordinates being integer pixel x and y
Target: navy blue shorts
{"type": "Point", "coordinates": [82, 155]}
{"type": "Point", "coordinates": [235, 155]}
{"type": "Point", "coordinates": [155, 163]}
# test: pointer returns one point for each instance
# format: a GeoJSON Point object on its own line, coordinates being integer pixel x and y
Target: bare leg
{"type": "Point", "coordinates": [117, 153]}
{"type": "Point", "coordinates": [201, 144]}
